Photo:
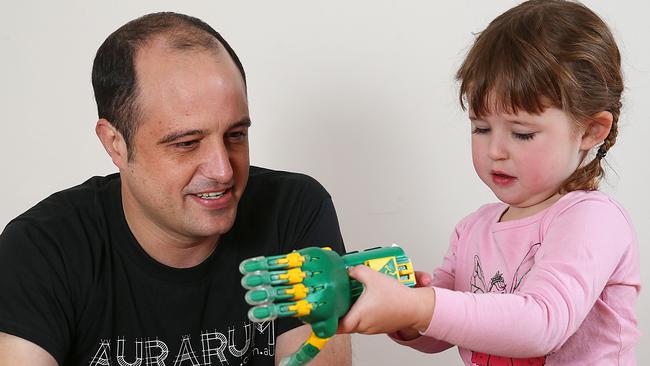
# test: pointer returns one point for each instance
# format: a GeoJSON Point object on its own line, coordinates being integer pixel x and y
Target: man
{"type": "Point", "coordinates": [141, 267]}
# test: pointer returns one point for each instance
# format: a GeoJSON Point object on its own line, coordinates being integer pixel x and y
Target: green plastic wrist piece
{"type": "Point", "coordinates": [303, 356]}
{"type": "Point", "coordinates": [313, 285]}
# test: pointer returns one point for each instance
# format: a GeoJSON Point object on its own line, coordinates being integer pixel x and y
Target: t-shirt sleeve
{"type": "Point", "coordinates": [313, 222]}
{"type": "Point", "coordinates": [34, 302]}
{"type": "Point", "coordinates": [322, 228]}
{"type": "Point", "coordinates": [444, 275]}
{"type": "Point", "coordinates": [312, 219]}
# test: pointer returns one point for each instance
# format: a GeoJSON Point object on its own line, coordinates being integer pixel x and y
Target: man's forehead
{"type": "Point", "coordinates": [185, 86]}
{"type": "Point", "coordinates": [158, 65]}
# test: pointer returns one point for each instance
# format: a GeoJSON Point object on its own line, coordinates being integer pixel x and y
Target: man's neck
{"type": "Point", "coordinates": [168, 248]}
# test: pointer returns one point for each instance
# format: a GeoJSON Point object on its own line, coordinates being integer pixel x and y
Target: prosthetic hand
{"type": "Point", "coordinates": [313, 285]}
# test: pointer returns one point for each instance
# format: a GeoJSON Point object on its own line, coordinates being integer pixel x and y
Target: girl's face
{"type": "Point", "coordinates": [525, 158]}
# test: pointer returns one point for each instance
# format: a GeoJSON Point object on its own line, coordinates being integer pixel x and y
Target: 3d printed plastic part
{"type": "Point", "coordinates": [313, 284]}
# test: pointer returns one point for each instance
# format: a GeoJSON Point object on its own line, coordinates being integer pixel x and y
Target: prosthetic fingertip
{"type": "Point", "coordinates": [251, 265]}
{"type": "Point", "coordinates": [259, 295]}
{"type": "Point", "coordinates": [252, 280]}
{"type": "Point", "coordinates": [262, 313]}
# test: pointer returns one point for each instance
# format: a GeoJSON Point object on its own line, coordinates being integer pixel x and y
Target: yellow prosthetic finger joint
{"type": "Point", "coordinates": [302, 308]}
{"type": "Point", "coordinates": [299, 291]}
{"type": "Point", "coordinates": [294, 275]}
{"type": "Point", "coordinates": [292, 260]}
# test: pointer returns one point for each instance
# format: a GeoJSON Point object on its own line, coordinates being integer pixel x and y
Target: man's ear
{"type": "Point", "coordinates": [113, 142]}
{"type": "Point", "coordinates": [596, 130]}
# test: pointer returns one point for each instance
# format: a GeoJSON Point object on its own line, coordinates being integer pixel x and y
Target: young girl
{"type": "Point", "coordinates": [550, 276]}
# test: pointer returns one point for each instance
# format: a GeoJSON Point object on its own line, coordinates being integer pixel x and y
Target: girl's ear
{"type": "Point", "coordinates": [596, 130]}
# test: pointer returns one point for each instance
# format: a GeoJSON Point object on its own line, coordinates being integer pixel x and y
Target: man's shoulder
{"type": "Point", "coordinates": [64, 232]}
{"type": "Point", "coordinates": [83, 201]}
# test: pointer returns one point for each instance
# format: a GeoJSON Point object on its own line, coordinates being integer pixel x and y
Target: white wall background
{"type": "Point", "coordinates": [358, 94]}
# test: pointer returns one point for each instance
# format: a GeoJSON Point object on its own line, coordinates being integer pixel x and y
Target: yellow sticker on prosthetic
{"type": "Point", "coordinates": [302, 308]}
{"type": "Point", "coordinates": [294, 275]}
{"type": "Point", "coordinates": [317, 341]}
{"type": "Point", "coordinates": [299, 291]}
{"type": "Point", "coordinates": [386, 265]}
{"type": "Point", "coordinates": [292, 260]}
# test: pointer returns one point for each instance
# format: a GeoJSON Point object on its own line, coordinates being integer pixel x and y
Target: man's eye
{"type": "Point", "coordinates": [236, 135]}
{"type": "Point", "coordinates": [480, 131]}
{"type": "Point", "coordinates": [186, 144]}
{"type": "Point", "coordinates": [524, 136]}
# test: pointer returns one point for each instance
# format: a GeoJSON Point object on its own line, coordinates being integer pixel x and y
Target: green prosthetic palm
{"type": "Point", "coordinates": [313, 284]}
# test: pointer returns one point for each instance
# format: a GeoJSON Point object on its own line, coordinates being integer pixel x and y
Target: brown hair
{"type": "Point", "coordinates": [547, 53]}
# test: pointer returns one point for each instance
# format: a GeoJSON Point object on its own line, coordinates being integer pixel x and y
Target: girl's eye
{"type": "Point", "coordinates": [524, 136]}
{"type": "Point", "coordinates": [480, 131]}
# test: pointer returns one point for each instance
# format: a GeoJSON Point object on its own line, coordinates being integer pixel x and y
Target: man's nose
{"type": "Point", "coordinates": [216, 164]}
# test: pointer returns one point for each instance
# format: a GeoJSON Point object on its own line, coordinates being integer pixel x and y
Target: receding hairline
{"type": "Point", "coordinates": [170, 43]}
{"type": "Point", "coordinates": [183, 38]}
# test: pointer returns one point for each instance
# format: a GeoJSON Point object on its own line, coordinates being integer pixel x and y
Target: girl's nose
{"type": "Point", "coordinates": [497, 148]}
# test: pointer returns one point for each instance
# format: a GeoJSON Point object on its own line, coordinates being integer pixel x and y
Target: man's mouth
{"type": "Point", "coordinates": [211, 195]}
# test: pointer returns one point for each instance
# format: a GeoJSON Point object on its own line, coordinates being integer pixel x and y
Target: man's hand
{"type": "Point", "coordinates": [15, 351]}
{"type": "Point", "coordinates": [387, 306]}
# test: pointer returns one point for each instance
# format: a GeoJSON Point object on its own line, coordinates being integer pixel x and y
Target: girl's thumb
{"type": "Point", "coordinates": [360, 273]}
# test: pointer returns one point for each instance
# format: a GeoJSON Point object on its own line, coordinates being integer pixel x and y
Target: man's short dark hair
{"type": "Point", "coordinates": [114, 77]}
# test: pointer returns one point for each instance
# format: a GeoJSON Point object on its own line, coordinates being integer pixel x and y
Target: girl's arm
{"type": "Point", "coordinates": [585, 247]}
{"type": "Point", "coordinates": [410, 335]}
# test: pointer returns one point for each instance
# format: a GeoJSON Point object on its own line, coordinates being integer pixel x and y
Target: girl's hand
{"type": "Point", "coordinates": [422, 279]}
{"type": "Point", "coordinates": [386, 305]}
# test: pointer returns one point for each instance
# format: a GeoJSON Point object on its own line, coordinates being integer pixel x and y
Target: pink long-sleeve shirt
{"type": "Point", "coordinates": [555, 288]}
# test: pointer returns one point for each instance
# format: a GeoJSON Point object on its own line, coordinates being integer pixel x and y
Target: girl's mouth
{"type": "Point", "coordinates": [502, 179]}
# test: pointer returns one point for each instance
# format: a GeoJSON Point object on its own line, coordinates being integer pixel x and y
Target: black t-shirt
{"type": "Point", "coordinates": [74, 280]}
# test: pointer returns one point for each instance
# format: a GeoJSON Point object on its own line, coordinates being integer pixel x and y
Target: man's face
{"type": "Point", "coordinates": [190, 165]}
